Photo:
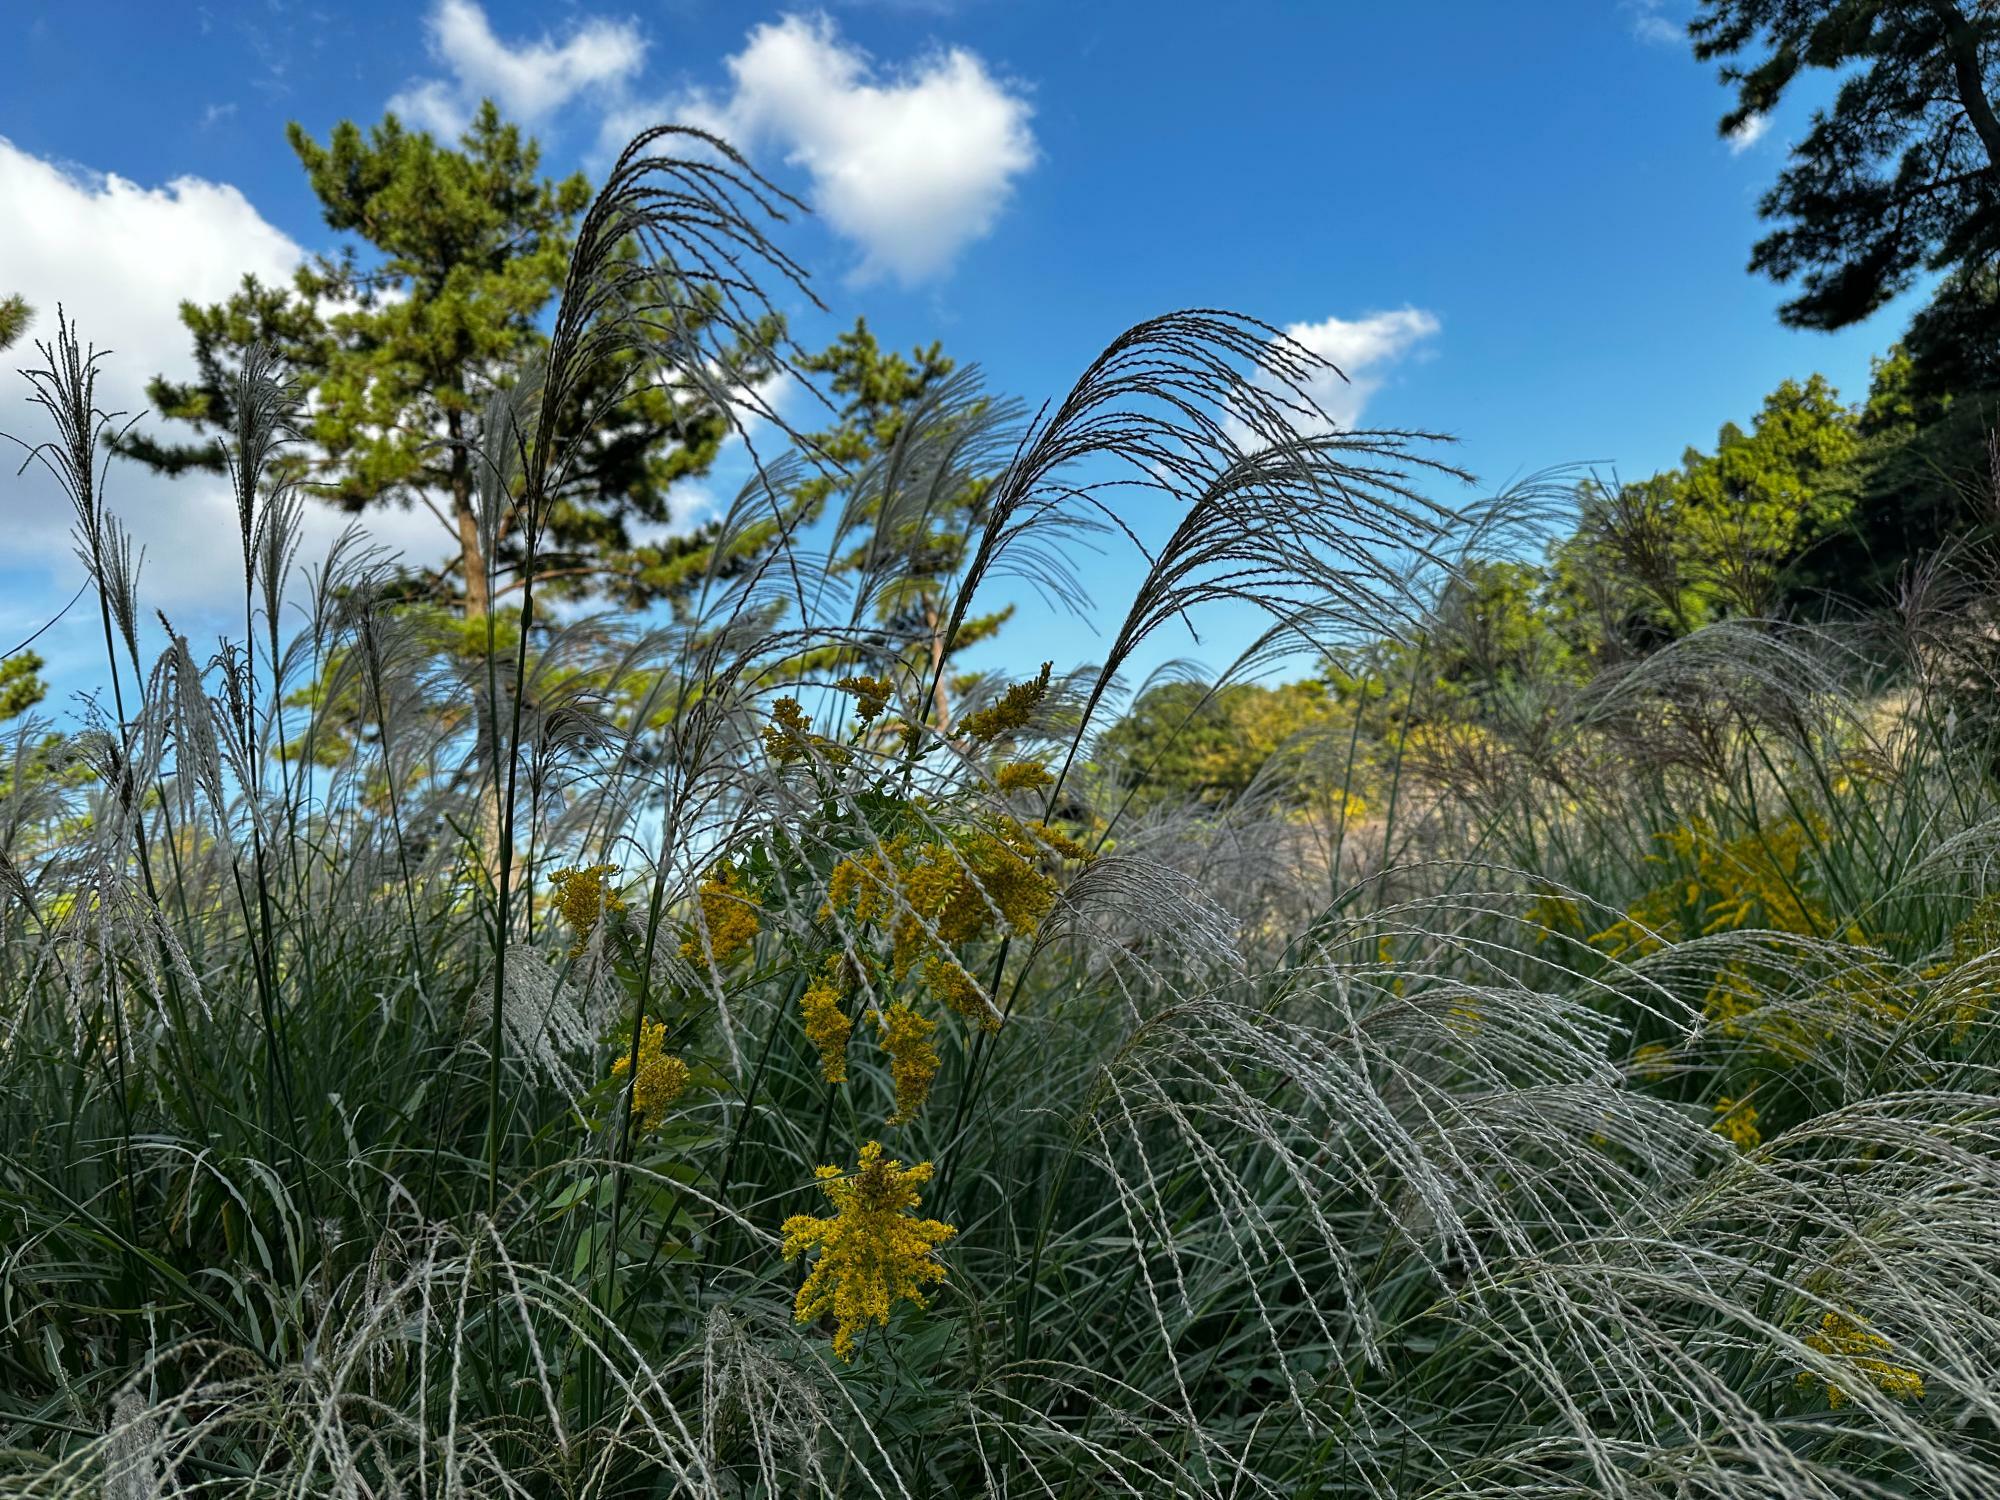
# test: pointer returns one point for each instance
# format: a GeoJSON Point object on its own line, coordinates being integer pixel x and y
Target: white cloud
{"type": "Point", "coordinates": [1649, 25]}
{"type": "Point", "coordinates": [1749, 133]}
{"type": "Point", "coordinates": [911, 165]}
{"type": "Point", "coordinates": [530, 81]}
{"type": "Point", "coordinates": [119, 259]}
{"type": "Point", "coordinates": [1359, 349]}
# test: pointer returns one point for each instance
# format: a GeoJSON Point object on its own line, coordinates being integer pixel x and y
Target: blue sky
{"type": "Point", "coordinates": [1516, 224]}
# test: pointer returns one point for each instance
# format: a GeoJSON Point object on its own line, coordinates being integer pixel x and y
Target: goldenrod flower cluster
{"type": "Point", "coordinates": [728, 916]}
{"type": "Point", "coordinates": [582, 896]}
{"type": "Point", "coordinates": [1553, 914]}
{"type": "Point", "coordinates": [1759, 880]}
{"type": "Point", "coordinates": [946, 980]}
{"type": "Point", "coordinates": [789, 737]}
{"type": "Point", "coordinates": [1971, 940]}
{"type": "Point", "coordinates": [662, 1077]}
{"type": "Point", "coordinates": [873, 1252]}
{"type": "Point", "coordinates": [1016, 706]}
{"type": "Point", "coordinates": [913, 1061]}
{"type": "Point", "coordinates": [1847, 1336]}
{"type": "Point", "coordinates": [1024, 776]}
{"type": "Point", "coordinates": [824, 1004]}
{"type": "Point", "coordinates": [872, 694]}
{"type": "Point", "coordinates": [934, 894]}
{"type": "Point", "coordinates": [1737, 1120]}
{"type": "Point", "coordinates": [1756, 880]}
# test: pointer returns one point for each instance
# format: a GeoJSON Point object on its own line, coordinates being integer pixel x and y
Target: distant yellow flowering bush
{"type": "Point", "coordinates": [1756, 880]}
{"type": "Point", "coordinates": [582, 896]}
{"type": "Point", "coordinates": [1737, 1120]}
{"type": "Point", "coordinates": [1968, 985]}
{"type": "Point", "coordinates": [873, 1251]}
{"type": "Point", "coordinates": [662, 1077]}
{"type": "Point", "coordinates": [1847, 1336]}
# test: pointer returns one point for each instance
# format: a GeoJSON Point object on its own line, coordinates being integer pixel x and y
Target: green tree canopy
{"type": "Point", "coordinates": [21, 686]}
{"type": "Point", "coordinates": [1723, 534]}
{"type": "Point", "coordinates": [1901, 173]}
{"type": "Point", "coordinates": [399, 341]}
{"type": "Point", "coordinates": [15, 315]}
{"type": "Point", "coordinates": [1188, 743]}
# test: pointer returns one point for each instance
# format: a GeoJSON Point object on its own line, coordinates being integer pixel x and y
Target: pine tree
{"type": "Point", "coordinates": [1900, 173]}
{"type": "Point", "coordinates": [923, 517]}
{"type": "Point", "coordinates": [15, 315]}
{"type": "Point", "coordinates": [399, 341]}
{"type": "Point", "coordinates": [21, 686]}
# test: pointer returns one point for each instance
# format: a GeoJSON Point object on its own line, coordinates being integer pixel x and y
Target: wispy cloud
{"type": "Point", "coordinates": [1650, 23]}
{"type": "Point", "coordinates": [1749, 133]}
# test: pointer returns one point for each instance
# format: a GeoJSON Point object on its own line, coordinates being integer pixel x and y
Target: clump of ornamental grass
{"type": "Point", "coordinates": [721, 1057]}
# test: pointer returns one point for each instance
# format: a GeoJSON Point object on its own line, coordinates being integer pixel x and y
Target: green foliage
{"type": "Point", "coordinates": [1921, 478]}
{"type": "Point", "coordinates": [1185, 744]}
{"type": "Point", "coordinates": [1901, 173]}
{"type": "Point", "coordinates": [1719, 536]}
{"type": "Point", "coordinates": [15, 316]}
{"type": "Point", "coordinates": [21, 685]}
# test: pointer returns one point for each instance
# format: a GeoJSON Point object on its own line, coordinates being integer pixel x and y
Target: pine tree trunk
{"type": "Point", "coordinates": [471, 557]}
{"type": "Point", "coordinates": [478, 604]}
{"type": "Point", "coordinates": [934, 618]}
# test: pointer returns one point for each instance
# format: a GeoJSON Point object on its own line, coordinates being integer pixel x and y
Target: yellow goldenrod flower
{"type": "Point", "coordinates": [1738, 1121]}
{"type": "Point", "coordinates": [946, 980]}
{"type": "Point", "coordinates": [1010, 713]}
{"type": "Point", "coordinates": [873, 1252]}
{"type": "Point", "coordinates": [789, 733]}
{"type": "Point", "coordinates": [728, 918]}
{"type": "Point", "coordinates": [1756, 880]}
{"type": "Point", "coordinates": [1023, 776]}
{"type": "Point", "coordinates": [581, 898]}
{"type": "Point", "coordinates": [1847, 1336]}
{"type": "Point", "coordinates": [1552, 915]}
{"type": "Point", "coordinates": [789, 737]}
{"type": "Point", "coordinates": [913, 1061]}
{"type": "Point", "coordinates": [1971, 940]}
{"type": "Point", "coordinates": [873, 694]}
{"type": "Point", "coordinates": [824, 1004]}
{"type": "Point", "coordinates": [662, 1077]}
